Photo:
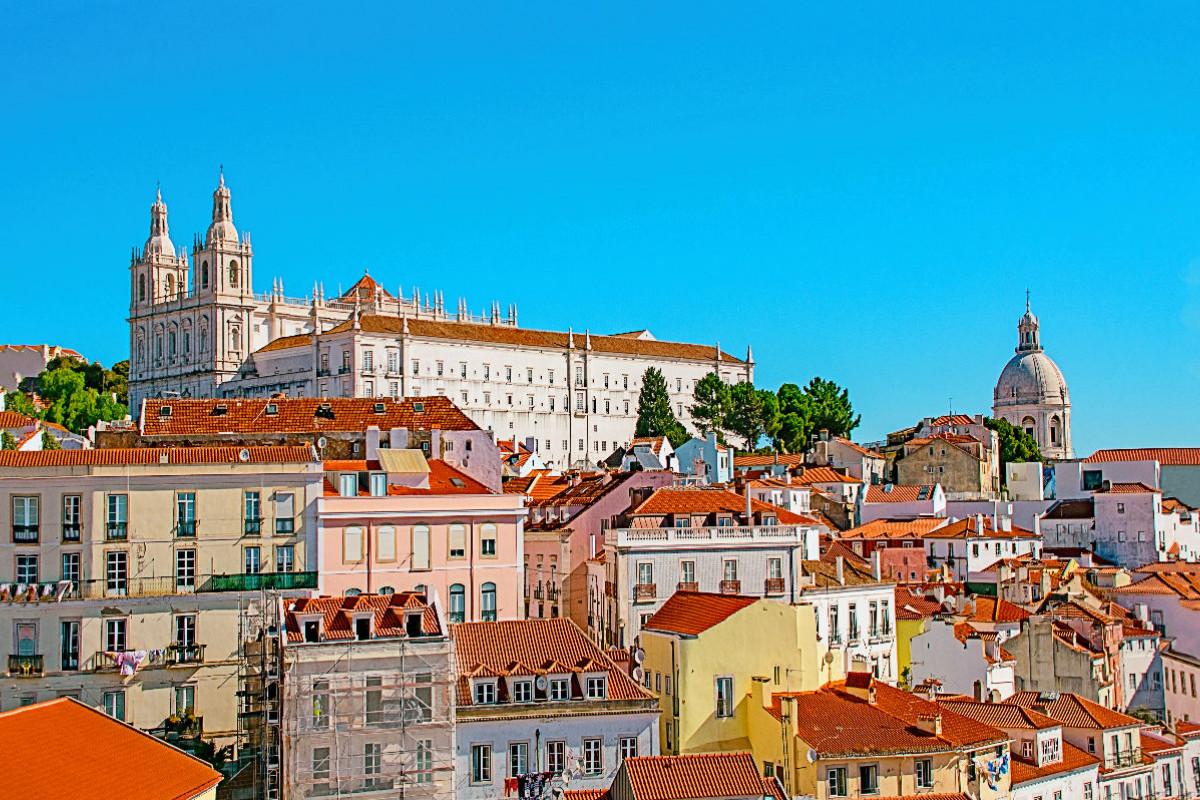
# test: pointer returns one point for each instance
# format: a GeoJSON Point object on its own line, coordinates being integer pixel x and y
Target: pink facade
{"type": "Point", "coordinates": [451, 534]}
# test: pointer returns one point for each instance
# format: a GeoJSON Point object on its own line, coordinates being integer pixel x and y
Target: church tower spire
{"type": "Point", "coordinates": [221, 230]}
{"type": "Point", "coordinates": [1029, 337]}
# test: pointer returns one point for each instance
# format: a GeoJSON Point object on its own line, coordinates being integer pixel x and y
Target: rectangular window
{"type": "Point", "coordinates": [731, 569]}
{"type": "Point", "coordinates": [687, 571]}
{"type": "Point", "coordinates": [252, 512]}
{"type": "Point", "coordinates": [116, 571]}
{"type": "Point", "coordinates": [420, 547]}
{"type": "Point", "coordinates": [285, 513]}
{"type": "Point", "coordinates": [114, 635]}
{"type": "Point", "coordinates": [252, 560]}
{"type": "Point", "coordinates": [185, 513]}
{"type": "Point", "coordinates": [185, 630]}
{"type": "Point", "coordinates": [523, 691]}
{"type": "Point", "coordinates": [114, 704]}
{"type": "Point", "coordinates": [518, 758]}
{"type": "Point", "coordinates": [724, 693]}
{"type": "Point", "coordinates": [835, 780]}
{"type": "Point", "coordinates": [481, 763]}
{"type": "Point", "coordinates": [487, 372]}
{"type": "Point", "coordinates": [775, 568]}
{"type": "Point", "coordinates": [320, 765]}
{"type": "Point", "coordinates": [352, 545]}
{"type": "Point", "coordinates": [556, 757]}
{"type": "Point", "coordinates": [69, 644]}
{"type": "Point", "coordinates": [285, 558]}
{"type": "Point", "coordinates": [71, 517]}
{"type": "Point", "coordinates": [596, 689]}
{"type": "Point", "coordinates": [868, 779]}
{"type": "Point", "coordinates": [487, 539]}
{"type": "Point", "coordinates": [629, 747]}
{"type": "Point", "coordinates": [393, 361]}
{"type": "Point", "coordinates": [485, 693]}
{"type": "Point", "coordinates": [348, 484]}
{"type": "Point", "coordinates": [593, 756]}
{"type": "Point", "coordinates": [25, 519]}
{"type": "Point", "coordinates": [458, 540]}
{"type": "Point", "coordinates": [560, 689]}
{"type": "Point", "coordinates": [441, 369]}
{"type": "Point", "coordinates": [185, 570]}
{"type": "Point", "coordinates": [378, 484]}
{"type": "Point", "coordinates": [424, 762]}
{"type": "Point", "coordinates": [385, 543]}
{"type": "Point", "coordinates": [70, 569]}
{"type": "Point", "coordinates": [27, 569]}
{"type": "Point", "coordinates": [924, 773]}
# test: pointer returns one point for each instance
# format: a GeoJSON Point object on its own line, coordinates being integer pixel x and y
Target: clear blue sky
{"type": "Point", "coordinates": [859, 195]}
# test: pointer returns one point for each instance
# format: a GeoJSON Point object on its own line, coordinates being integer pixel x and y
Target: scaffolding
{"type": "Point", "coordinates": [373, 716]}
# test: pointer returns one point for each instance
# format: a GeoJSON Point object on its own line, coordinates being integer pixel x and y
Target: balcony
{"type": "Point", "coordinates": [285, 527]}
{"type": "Point", "coordinates": [71, 531]}
{"type": "Point", "coordinates": [835, 640]}
{"type": "Point", "coordinates": [98, 588]}
{"type": "Point", "coordinates": [728, 535]}
{"type": "Point", "coordinates": [101, 661]}
{"type": "Point", "coordinates": [344, 369]}
{"type": "Point", "coordinates": [644, 592]}
{"type": "Point", "coordinates": [186, 528]}
{"type": "Point", "coordinates": [252, 527]}
{"type": "Point", "coordinates": [253, 581]}
{"type": "Point", "coordinates": [775, 586]}
{"type": "Point", "coordinates": [731, 587]}
{"type": "Point", "coordinates": [687, 586]}
{"type": "Point", "coordinates": [1128, 758]}
{"type": "Point", "coordinates": [185, 654]}
{"type": "Point", "coordinates": [26, 666]}
{"type": "Point", "coordinates": [552, 592]}
{"type": "Point", "coordinates": [456, 616]}
{"type": "Point", "coordinates": [853, 638]}
{"type": "Point", "coordinates": [116, 531]}
{"type": "Point", "coordinates": [323, 372]}
{"type": "Point", "coordinates": [25, 534]}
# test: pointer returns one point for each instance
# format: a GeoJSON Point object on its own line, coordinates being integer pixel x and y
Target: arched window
{"type": "Point", "coordinates": [141, 350]}
{"type": "Point", "coordinates": [386, 590]}
{"type": "Point", "coordinates": [353, 592]}
{"type": "Point", "coordinates": [203, 274]}
{"type": "Point", "coordinates": [141, 287]}
{"type": "Point", "coordinates": [487, 539]}
{"type": "Point", "coordinates": [1030, 426]}
{"type": "Point", "coordinates": [170, 282]}
{"type": "Point", "coordinates": [203, 336]}
{"type": "Point", "coordinates": [233, 274]}
{"type": "Point", "coordinates": [420, 547]}
{"type": "Point", "coordinates": [487, 602]}
{"type": "Point", "coordinates": [235, 338]}
{"type": "Point", "coordinates": [171, 344]}
{"type": "Point", "coordinates": [458, 603]}
{"type": "Point", "coordinates": [187, 340]}
{"type": "Point", "coordinates": [1054, 426]}
{"type": "Point", "coordinates": [458, 540]}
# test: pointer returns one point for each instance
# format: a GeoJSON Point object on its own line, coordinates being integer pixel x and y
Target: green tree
{"type": "Point", "coordinates": [7, 442]}
{"type": "Point", "coordinates": [795, 419]}
{"type": "Point", "coordinates": [655, 417]}
{"type": "Point", "coordinates": [1016, 446]}
{"type": "Point", "coordinates": [49, 442]}
{"type": "Point", "coordinates": [753, 413]}
{"type": "Point", "coordinates": [831, 409]}
{"type": "Point", "coordinates": [713, 400]}
{"type": "Point", "coordinates": [72, 403]}
{"type": "Point", "coordinates": [20, 403]}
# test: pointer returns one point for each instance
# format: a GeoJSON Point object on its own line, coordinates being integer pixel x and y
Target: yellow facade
{"type": "Point", "coordinates": [906, 629]}
{"type": "Point", "coordinates": [766, 643]}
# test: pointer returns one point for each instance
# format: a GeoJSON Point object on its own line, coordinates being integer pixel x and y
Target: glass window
{"type": "Point", "coordinates": [252, 560]}
{"type": "Point", "coordinates": [560, 689]}
{"type": "Point", "coordinates": [645, 573]}
{"type": "Point", "coordinates": [724, 693]}
{"type": "Point", "coordinates": [868, 779]}
{"type": "Point", "coordinates": [71, 517]}
{"type": "Point", "coordinates": [593, 757]}
{"type": "Point", "coordinates": [185, 513]}
{"type": "Point", "coordinates": [458, 602]}
{"type": "Point", "coordinates": [114, 635]}
{"type": "Point", "coordinates": [556, 757]}
{"type": "Point", "coordinates": [285, 558]}
{"type": "Point", "coordinates": [118, 510]}
{"type": "Point", "coordinates": [70, 569]}
{"type": "Point", "coordinates": [487, 602]}
{"type": "Point", "coordinates": [252, 509]}
{"type": "Point", "coordinates": [458, 540]}
{"type": "Point", "coordinates": [25, 519]}
{"type": "Point", "coordinates": [116, 571]}
{"type": "Point", "coordinates": [775, 568]}
{"type": "Point", "coordinates": [69, 644]}
{"type": "Point", "coordinates": [487, 539]}
{"type": "Point", "coordinates": [114, 704]}
{"type": "Point", "coordinates": [420, 547]}
{"type": "Point", "coordinates": [924, 773]}
{"type": "Point", "coordinates": [629, 747]}
{"type": "Point", "coordinates": [596, 689]}
{"type": "Point", "coordinates": [320, 763]}
{"type": "Point", "coordinates": [485, 693]}
{"type": "Point", "coordinates": [348, 483]}
{"type": "Point", "coordinates": [185, 630]}
{"type": "Point", "coordinates": [523, 691]}
{"type": "Point", "coordinates": [518, 758]}
{"type": "Point", "coordinates": [27, 569]}
{"type": "Point", "coordinates": [185, 569]}
{"type": "Point", "coordinates": [687, 571]}
{"type": "Point", "coordinates": [835, 779]}
{"type": "Point", "coordinates": [378, 484]}
{"type": "Point", "coordinates": [424, 762]}
{"type": "Point", "coordinates": [285, 512]}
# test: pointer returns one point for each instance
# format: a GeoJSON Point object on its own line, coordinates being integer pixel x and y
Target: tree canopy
{"type": "Point", "coordinates": [74, 394]}
{"type": "Point", "coordinates": [655, 417]}
{"type": "Point", "coordinates": [714, 400]}
{"type": "Point", "coordinates": [1016, 446]}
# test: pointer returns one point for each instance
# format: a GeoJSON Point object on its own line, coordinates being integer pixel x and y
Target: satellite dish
{"type": "Point", "coordinates": [321, 442]}
{"type": "Point", "coordinates": [243, 455]}
{"type": "Point", "coordinates": [542, 683]}
{"type": "Point", "coordinates": [638, 674]}
{"type": "Point", "coordinates": [639, 655]}
{"type": "Point", "coordinates": [812, 756]}
{"type": "Point", "coordinates": [828, 658]}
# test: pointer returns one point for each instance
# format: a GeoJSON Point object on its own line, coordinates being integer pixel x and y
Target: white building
{"type": "Point", "coordinates": [1136, 526]}
{"type": "Point", "coordinates": [856, 615]}
{"type": "Point", "coordinates": [197, 328]}
{"type": "Point", "coordinates": [969, 546]}
{"type": "Point", "coordinates": [1032, 393]}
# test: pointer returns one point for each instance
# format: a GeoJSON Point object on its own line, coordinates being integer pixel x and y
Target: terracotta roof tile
{"type": "Point", "coordinates": [692, 613]}
{"type": "Point", "coordinates": [910, 606]}
{"type": "Point", "coordinates": [1073, 759]}
{"type": "Point", "coordinates": [1127, 488]}
{"type": "Point", "coordinates": [44, 739]}
{"type": "Point", "coordinates": [287, 343]}
{"type": "Point", "coordinates": [119, 457]}
{"type": "Point", "coordinates": [710, 500]}
{"type": "Point", "coordinates": [954, 419]}
{"type": "Point", "coordinates": [299, 415]}
{"type": "Point", "coordinates": [857, 447]}
{"type": "Point", "coordinates": [968, 528]}
{"type": "Point", "coordinates": [1000, 715]}
{"type": "Point", "coordinates": [897, 493]}
{"type": "Point", "coordinates": [783, 459]}
{"type": "Point", "coordinates": [443, 479]}
{"type": "Point", "coordinates": [525, 337]}
{"type": "Point", "coordinates": [693, 775]}
{"type": "Point", "coordinates": [993, 609]}
{"type": "Point", "coordinates": [1074, 711]}
{"type": "Point", "coordinates": [1167, 456]}
{"type": "Point", "coordinates": [13, 419]}
{"type": "Point", "coordinates": [823, 475]}
{"type": "Point", "coordinates": [824, 575]}
{"type": "Point", "coordinates": [894, 528]}
{"type": "Point", "coordinates": [337, 615]}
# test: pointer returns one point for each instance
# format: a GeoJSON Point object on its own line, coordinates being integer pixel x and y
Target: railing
{"type": "Point", "coordinates": [26, 666]}
{"type": "Point", "coordinates": [343, 370]}
{"type": "Point", "coordinates": [185, 654]}
{"type": "Point", "coordinates": [71, 532]}
{"type": "Point", "coordinates": [322, 373]}
{"type": "Point", "coordinates": [25, 533]}
{"type": "Point", "coordinates": [552, 592]}
{"type": "Point", "coordinates": [644, 591]}
{"type": "Point", "coordinates": [252, 527]}
{"type": "Point", "coordinates": [1128, 758]}
{"type": "Point", "coordinates": [115, 531]}
{"type": "Point", "coordinates": [853, 638]}
{"type": "Point", "coordinates": [97, 588]}
{"type": "Point", "coordinates": [456, 616]}
{"type": "Point", "coordinates": [687, 586]}
{"type": "Point", "coordinates": [103, 662]}
{"type": "Point", "coordinates": [775, 586]}
{"type": "Point", "coordinates": [186, 528]}
{"type": "Point", "coordinates": [253, 581]}
{"type": "Point", "coordinates": [793, 534]}
{"type": "Point", "coordinates": [835, 640]}
{"type": "Point", "coordinates": [285, 526]}
{"type": "Point", "coordinates": [731, 587]}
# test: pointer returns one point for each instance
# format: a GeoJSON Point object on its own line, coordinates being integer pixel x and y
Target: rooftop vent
{"type": "Point", "coordinates": [164, 411]}
{"type": "Point", "coordinates": [272, 409]}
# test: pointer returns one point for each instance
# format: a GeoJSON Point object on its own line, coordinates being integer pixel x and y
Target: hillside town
{"type": "Point", "coordinates": [368, 545]}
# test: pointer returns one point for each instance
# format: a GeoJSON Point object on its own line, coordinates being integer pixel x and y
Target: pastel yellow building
{"type": "Point", "coordinates": [704, 652]}
{"type": "Point", "coordinates": [862, 737]}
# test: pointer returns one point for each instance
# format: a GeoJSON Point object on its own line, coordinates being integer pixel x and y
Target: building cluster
{"type": "Point", "coordinates": [338, 552]}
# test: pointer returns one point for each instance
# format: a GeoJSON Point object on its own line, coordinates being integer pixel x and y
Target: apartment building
{"type": "Point", "coordinates": [856, 616]}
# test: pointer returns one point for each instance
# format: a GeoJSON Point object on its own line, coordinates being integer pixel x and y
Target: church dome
{"type": "Point", "coordinates": [1031, 377]}
{"type": "Point", "coordinates": [159, 242]}
{"type": "Point", "coordinates": [221, 230]}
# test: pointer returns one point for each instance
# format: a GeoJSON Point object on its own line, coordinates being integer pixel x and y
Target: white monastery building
{"type": "Point", "coordinates": [1032, 393]}
{"type": "Point", "coordinates": [198, 329]}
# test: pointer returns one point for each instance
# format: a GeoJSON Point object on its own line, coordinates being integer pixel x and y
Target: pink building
{"type": "Point", "coordinates": [396, 522]}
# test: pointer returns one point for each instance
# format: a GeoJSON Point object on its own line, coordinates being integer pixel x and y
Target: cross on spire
{"type": "Point", "coordinates": [1026, 299]}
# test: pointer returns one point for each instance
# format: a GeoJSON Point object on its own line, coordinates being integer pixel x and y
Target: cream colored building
{"type": "Point", "coordinates": [1032, 394]}
{"type": "Point", "coordinates": [145, 559]}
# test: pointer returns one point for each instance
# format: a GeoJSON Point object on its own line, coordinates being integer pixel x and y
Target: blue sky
{"type": "Point", "coordinates": [863, 195]}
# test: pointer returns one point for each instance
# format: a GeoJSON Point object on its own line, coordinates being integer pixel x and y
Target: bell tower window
{"type": "Point", "coordinates": [170, 286]}
{"type": "Point", "coordinates": [233, 274]}
{"type": "Point", "coordinates": [142, 288]}
{"type": "Point", "coordinates": [203, 274]}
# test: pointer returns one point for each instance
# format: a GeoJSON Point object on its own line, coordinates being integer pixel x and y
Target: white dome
{"type": "Point", "coordinates": [1031, 378]}
{"type": "Point", "coordinates": [221, 231]}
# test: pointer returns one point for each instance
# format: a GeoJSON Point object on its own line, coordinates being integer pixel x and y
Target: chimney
{"type": "Point", "coordinates": [875, 568]}
{"type": "Point", "coordinates": [930, 723]}
{"type": "Point", "coordinates": [749, 511]}
{"type": "Point", "coordinates": [1006, 523]}
{"type": "Point", "coordinates": [859, 682]}
{"type": "Point", "coordinates": [435, 442]}
{"type": "Point", "coordinates": [979, 523]}
{"type": "Point", "coordinates": [398, 438]}
{"type": "Point", "coordinates": [372, 442]}
{"type": "Point", "coordinates": [841, 575]}
{"type": "Point", "coordinates": [1037, 525]}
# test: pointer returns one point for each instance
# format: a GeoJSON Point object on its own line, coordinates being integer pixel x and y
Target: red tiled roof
{"type": "Point", "coordinates": [300, 415]}
{"type": "Point", "coordinates": [897, 493]}
{"type": "Point", "coordinates": [954, 419]}
{"type": "Point", "coordinates": [534, 642]}
{"type": "Point", "coordinates": [913, 607]}
{"type": "Point", "coordinates": [836, 722]}
{"type": "Point", "coordinates": [994, 609]}
{"type": "Point", "coordinates": [134, 456]}
{"type": "Point", "coordinates": [1185, 585]}
{"type": "Point", "coordinates": [443, 479]}
{"type": "Point", "coordinates": [783, 459]}
{"type": "Point", "coordinates": [1072, 759]}
{"type": "Point", "coordinates": [41, 746]}
{"type": "Point", "coordinates": [13, 419]}
{"type": "Point", "coordinates": [823, 475]}
{"type": "Point", "coordinates": [692, 613]}
{"type": "Point", "coordinates": [526, 337]}
{"type": "Point", "coordinates": [1167, 456]}
{"type": "Point", "coordinates": [857, 447]}
{"type": "Point", "coordinates": [955, 796]}
{"type": "Point", "coordinates": [709, 500]}
{"type": "Point", "coordinates": [364, 289]}
{"type": "Point", "coordinates": [1074, 711]}
{"type": "Point", "coordinates": [655, 443]}
{"type": "Point", "coordinates": [1127, 488]}
{"type": "Point", "coordinates": [286, 343]}
{"type": "Point", "coordinates": [693, 775]}
{"type": "Point", "coordinates": [951, 438]}
{"type": "Point", "coordinates": [1155, 744]}
{"type": "Point", "coordinates": [1000, 715]}
{"type": "Point", "coordinates": [966, 528]}
{"type": "Point", "coordinates": [338, 613]}
{"type": "Point", "coordinates": [894, 528]}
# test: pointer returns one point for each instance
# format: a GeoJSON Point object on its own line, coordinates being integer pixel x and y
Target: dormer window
{"type": "Point", "coordinates": [485, 693]}
{"type": "Point", "coordinates": [560, 689]}
{"type": "Point", "coordinates": [272, 409]}
{"type": "Point", "coordinates": [770, 521]}
{"type": "Point", "coordinates": [378, 484]}
{"type": "Point", "coordinates": [312, 631]}
{"type": "Point", "coordinates": [597, 688]}
{"type": "Point", "coordinates": [348, 486]}
{"type": "Point", "coordinates": [522, 691]}
{"type": "Point", "coordinates": [362, 628]}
